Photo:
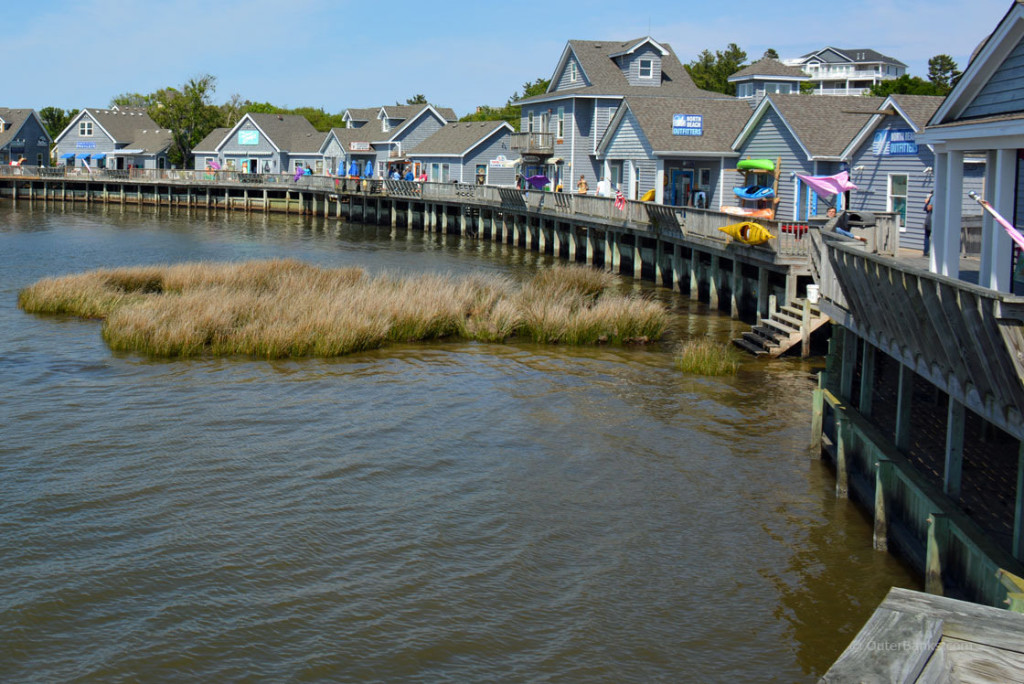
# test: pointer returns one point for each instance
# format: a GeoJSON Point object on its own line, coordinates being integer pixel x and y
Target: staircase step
{"type": "Point", "coordinates": [782, 317]}
{"type": "Point", "coordinates": [766, 343]}
{"type": "Point", "coordinates": [769, 335]}
{"type": "Point", "coordinates": [748, 346]}
{"type": "Point", "coordinates": [782, 327]}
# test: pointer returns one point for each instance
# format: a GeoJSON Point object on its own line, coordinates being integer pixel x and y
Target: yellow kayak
{"type": "Point", "coordinates": [648, 196]}
{"type": "Point", "coordinates": [748, 233]}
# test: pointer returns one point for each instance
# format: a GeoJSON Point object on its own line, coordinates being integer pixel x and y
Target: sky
{"type": "Point", "coordinates": [339, 54]}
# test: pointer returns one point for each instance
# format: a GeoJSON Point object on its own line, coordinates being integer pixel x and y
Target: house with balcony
{"type": "Point", "coordinates": [677, 147]}
{"type": "Point", "coordinates": [116, 138]}
{"type": "Point", "coordinates": [840, 71]}
{"type": "Point", "coordinates": [23, 137]}
{"type": "Point", "coordinates": [264, 143]}
{"type": "Point", "coordinates": [767, 76]}
{"type": "Point", "coordinates": [386, 135]}
{"type": "Point", "coordinates": [561, 128]}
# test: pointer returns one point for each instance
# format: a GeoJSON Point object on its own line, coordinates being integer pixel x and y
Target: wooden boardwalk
{"type": "Point", "coordinates": [915, 637]}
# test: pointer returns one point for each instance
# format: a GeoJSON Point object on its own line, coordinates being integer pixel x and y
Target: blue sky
{"type": "Point", "coordinates": [460, 54]}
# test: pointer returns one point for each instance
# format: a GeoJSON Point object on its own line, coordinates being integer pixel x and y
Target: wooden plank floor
{"type": "Point", "coordinates": [917, 637]}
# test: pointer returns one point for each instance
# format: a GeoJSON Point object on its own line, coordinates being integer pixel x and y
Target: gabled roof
{"type": "Point", "coordinates": [769, 66]}
{"type": "Point", "coordinates": [212, 141]}
{"type": "Point", "coordinates": [824, 126]}
{"type": "Point", "coordinates": [403, 112]}
{"type": "Point", "coordinates": [646, 40]}
{"type": "Point", "coordinates": [152, 141]}
{"type": "Point", "coordinates": [985, 61]}
{"type": "Point", "coordinates": [360, 114]}
{"type": "Point", "coordinates": [722, 122]}
{"type": "Point", "coordinates": [459, 138]}
{"type": "Point", "coordinates": [17, 118]}
{"type": "Point", "coordinates": [606, 78]}
{"type": "Point", "coordinates": [853, 55]}
{"type": "Point", "coordinates": [287, 132]}
{"type": "Point", "coordinates": [120, 125]}
{"type": "Point", "coordinates": [914, 109]}
{"type": "Point", "coordinates": [351, 135]}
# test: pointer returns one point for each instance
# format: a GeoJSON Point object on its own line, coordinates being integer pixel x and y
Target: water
{"type": "Point", "coordinates": [436, 512]}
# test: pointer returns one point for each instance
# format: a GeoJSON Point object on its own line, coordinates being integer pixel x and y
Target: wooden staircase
{"type": "Point", "coordinates": [785, 328]}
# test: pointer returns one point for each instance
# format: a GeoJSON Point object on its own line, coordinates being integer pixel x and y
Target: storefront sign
{"type": "Point", "coordinates": [248, 137]}
{"type": "Point", "coordinates": [359, 147]}
{"type": "Point", "coordinates": [85, 145]}
{"type": "Point", "coordinates": [687, 124]}
{"type": "Point", "coordinates": [894, 143]}
{"type": "Point", "coordinates": [501, 162]}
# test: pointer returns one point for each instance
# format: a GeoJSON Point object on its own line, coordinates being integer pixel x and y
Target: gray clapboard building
{"type": "Point", "coordinates": [468, 152]}
{"type": "Point", "coordinates": [116, 138]}
{"type": "Point", "coordinates": [23, 137]}
{"type": "Point", "coordinates": [385, 136]}
{"type": "Point", "coordinates": [264, 143]}
{"type": "Point", "coordinates": [560, 129]}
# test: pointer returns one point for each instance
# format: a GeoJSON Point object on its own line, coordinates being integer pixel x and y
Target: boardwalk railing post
{"type": "Point", "coordinates": [842, 486]}
{"type": "Point", "coordinates": [817, 415]}
{"type": "Point", "coordinates": [805, 330]}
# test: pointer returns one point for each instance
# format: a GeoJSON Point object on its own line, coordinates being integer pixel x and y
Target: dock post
{"type": "Point", "coordinates": [394, 214]}
{"type": "Point", "coordinates": [677, 267]}
{"type": "Point", "coordinates": [638, 259]}
{"type": "Point", "coordinates": [762, 293]}
{"type": "Point", "coordinates": [713, 283]}
{"type": "Point", "coordinates": [556, 239]}
{"type": "Point", "coordinates": [617, 253]}
{"type": "Point", "coordinates": [805, 333]}
{"type": "Point", "coordinates": [542, 237]}
{"type": "Point", "coordinates": [904, 394]}
{"type": "Point", "coordinates": [849, 363]}
{"type": "Point", "coordinates": [591, 247]}
{"type": "Point", "coordinates": [937, 528]}
{"type": "Point", "coordinates": [694, 265]}
{"type": "Point", "coordinates": [735, 289]}
{"type": "Point", "coordinates": [880, 537]}
{"type": "Point", "coordinates": [817, 415]}
{"type": "Point", "coordinates": [1018, 517]}
{"type": "Point", "coordinates": [462, 220]}
{"type": "Point", "coordinates": [954, 449]}
{"type": "Point", "coordinates": [842, 474]}
{"type": "Point", "coordinates": [571, 237]}
{"type": "Point", "coordinates": [659, 256]}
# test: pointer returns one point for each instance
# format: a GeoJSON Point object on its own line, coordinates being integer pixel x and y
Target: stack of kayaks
{"type": "Point", "coordinates": [748, 233]}
{"type": "Point", "coordinates": [753, 192]}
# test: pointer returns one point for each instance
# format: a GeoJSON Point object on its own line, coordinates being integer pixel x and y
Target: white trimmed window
{"type": "Point", "coordinates": [529, 122]}
{"type": "Point", "coordinates": [573, 72]}
{"type": "Point", "coordinates": [85, 129]}
{"type": "Point", "coordinates": [646, 68]}
{"type": "Point", "coordinates": [898, 196]}
{"type": "Point", "coordinates": [561, 123]}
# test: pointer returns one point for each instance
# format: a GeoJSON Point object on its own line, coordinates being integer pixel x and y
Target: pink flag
{"type": "Point", "coordinates": [620, 200]}
{"type": "Point", "coordinates": [1007, 226]}
{"type": "Point", "coordinates": [829, 185]}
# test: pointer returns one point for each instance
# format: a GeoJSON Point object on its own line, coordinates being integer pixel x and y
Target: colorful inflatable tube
{"type": "Point", "coordinates": [755, 165]}
{"type": "Point", "coordinates": [754, 192]}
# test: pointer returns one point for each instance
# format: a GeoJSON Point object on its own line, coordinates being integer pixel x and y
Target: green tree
{"type": "Point", "coordinates": [538, 87]}
{"type": "Point", "coordinates": [904, 85]}
{"type": "Point", "coordinates": [188, 113]}
{"type": "Point", "coordinates": [511, 112]}
{"type": "Point", "coordinates": [132, 100]}
{"type": "Point", "coordinates": [712, 71]}
{"type": "Point", "coordinates": [418, 98]}
{"type": "Point", "coordinates": [943, 72]}
{"type": "Point", "coordinates": [770, 53]}
{"type": "Point", "coordinates": [56, 119]}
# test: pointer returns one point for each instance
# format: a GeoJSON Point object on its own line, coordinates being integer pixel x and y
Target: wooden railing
{"type": "Point", "coordinates": [535, 143]}
{"type": "Point", "coordinates": [966, 340]}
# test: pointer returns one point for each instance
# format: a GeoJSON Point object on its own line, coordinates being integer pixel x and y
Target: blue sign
{"type": "Point", "coordinates": [248, 137]}
{"type": "Point", "coordinates": [894, 143]}
{"type": "Point", "coordinates": [85, 145]}
{"type": "Point", "coordinates": [687, 124]}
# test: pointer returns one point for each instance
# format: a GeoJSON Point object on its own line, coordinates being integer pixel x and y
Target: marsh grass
{"type": "Point", "coordinates": [286, 308]}
{"type": "Point", "coordinates": [704, 356]}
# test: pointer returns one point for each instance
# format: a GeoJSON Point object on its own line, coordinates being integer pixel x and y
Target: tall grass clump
{"type": "Point", "coordinates": [285, 308]}
{"type": "Point", "coordinates": [704, 356]}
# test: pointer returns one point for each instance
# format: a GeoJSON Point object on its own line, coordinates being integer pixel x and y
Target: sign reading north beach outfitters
{"type": "Point", "coordinates": [687, 124]}
{"type": "Point", "coordinates": [247, 137]}
{"type": "Point", "coordinates": [894, 143]}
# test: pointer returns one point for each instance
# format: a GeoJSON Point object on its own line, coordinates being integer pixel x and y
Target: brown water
{"type": "Point", "coordinates": [441, 512]}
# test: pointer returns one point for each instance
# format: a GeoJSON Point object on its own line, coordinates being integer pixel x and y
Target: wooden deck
{"type": "Point", "coordinates": [916, 637]}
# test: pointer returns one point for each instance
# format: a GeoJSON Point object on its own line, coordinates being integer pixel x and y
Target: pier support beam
{"type": "Point", "coordinates": [735, 289]}
{"type": "Point", "coordinates": [849, 363]}
{"type": "Point", "coordinates": [867, 374]}
{"type": "Point", "coordinates": [694, 265]}
{"type": "Point", "coordinates": [762, 293]}
{"type": "Point", "coordinates": [955, 419]}
{"type": "Point", "coordinates": [713, 283]}
{"type": "Point", "coordinates": [904, 394]}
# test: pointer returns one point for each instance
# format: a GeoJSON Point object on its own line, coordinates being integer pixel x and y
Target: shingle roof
{"type": "Point", "coordinates": [919, 108]}
{"type": "Point", "coordinates": [722, 122]}
{"type": "Point", "coordinates": [768, 66]}
{"type": "Point", "coordinates": [16, 118]}
{"type": "Point", "coordinates": [350, 135]}
{"type": "Point", "coordinates": [858, 55]}
{"type": "Point", "coordinates": [123, 124]}
{"type": "Point", "coordinates": [363, 113]}
{"type": "Point", "coordinates": [211, 141]}
{"type": "Point", "coordinates": [404, 112]}
{"type": "Point", "coordinates": [606, 78]}
{"type": "Point", "coordinates": [457, 138]}
{"type": "Point", "coordinates": [826, 125]}
{"type": "Point", "coordinates": [291, 132]}
{"type": "Point", "coordinates": [152, 141]}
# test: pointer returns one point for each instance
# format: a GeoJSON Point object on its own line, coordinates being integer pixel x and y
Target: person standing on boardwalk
{"type": "Point", "coordinates": [928, 224]}
{"type": "Point", "coordinates": [581, 187]}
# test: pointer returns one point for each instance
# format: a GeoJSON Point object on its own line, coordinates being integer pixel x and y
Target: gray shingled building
{"type": "Point", "coordinates": [23, 137]}
{"type": "Point", "coordinates": [116, 138]}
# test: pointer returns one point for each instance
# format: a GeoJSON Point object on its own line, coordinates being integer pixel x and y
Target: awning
{"type": "Point", "coordinates": [69, 155]}
{"type": "Point", "coordinates": [554, 160]}
{"type": "Point", "coordinates": [123, 152]}
{"type": "Point", "coordinates": [101, 155]}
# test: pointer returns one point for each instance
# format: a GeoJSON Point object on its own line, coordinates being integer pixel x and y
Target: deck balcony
{"type": "Point", "coordinates": [539, 144]}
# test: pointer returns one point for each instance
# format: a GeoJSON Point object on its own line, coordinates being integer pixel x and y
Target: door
{"type": "Point", "coordinates": [681, 187]}
{"type": "Point", "coordinates": [897, 200]}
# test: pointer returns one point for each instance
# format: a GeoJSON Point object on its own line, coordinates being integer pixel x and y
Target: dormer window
{"type": "Point", "coordinates": [646, 68]}
{"type": "Point", "coordinates": [85, 129]}
{"type": "Point", "coordinates": [573, 72]}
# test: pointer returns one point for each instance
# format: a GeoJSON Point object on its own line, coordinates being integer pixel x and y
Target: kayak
{"type": "Point", "coordinates": [754, 192]}
{"type": "Point", "coordinates": [755, 165]}
{"type": "Point", "coordinates": [748, 233]}
{"type": "Point", "coordinates": [750, 213]}
{"type": "Point", "coordinates": [648, 196]}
